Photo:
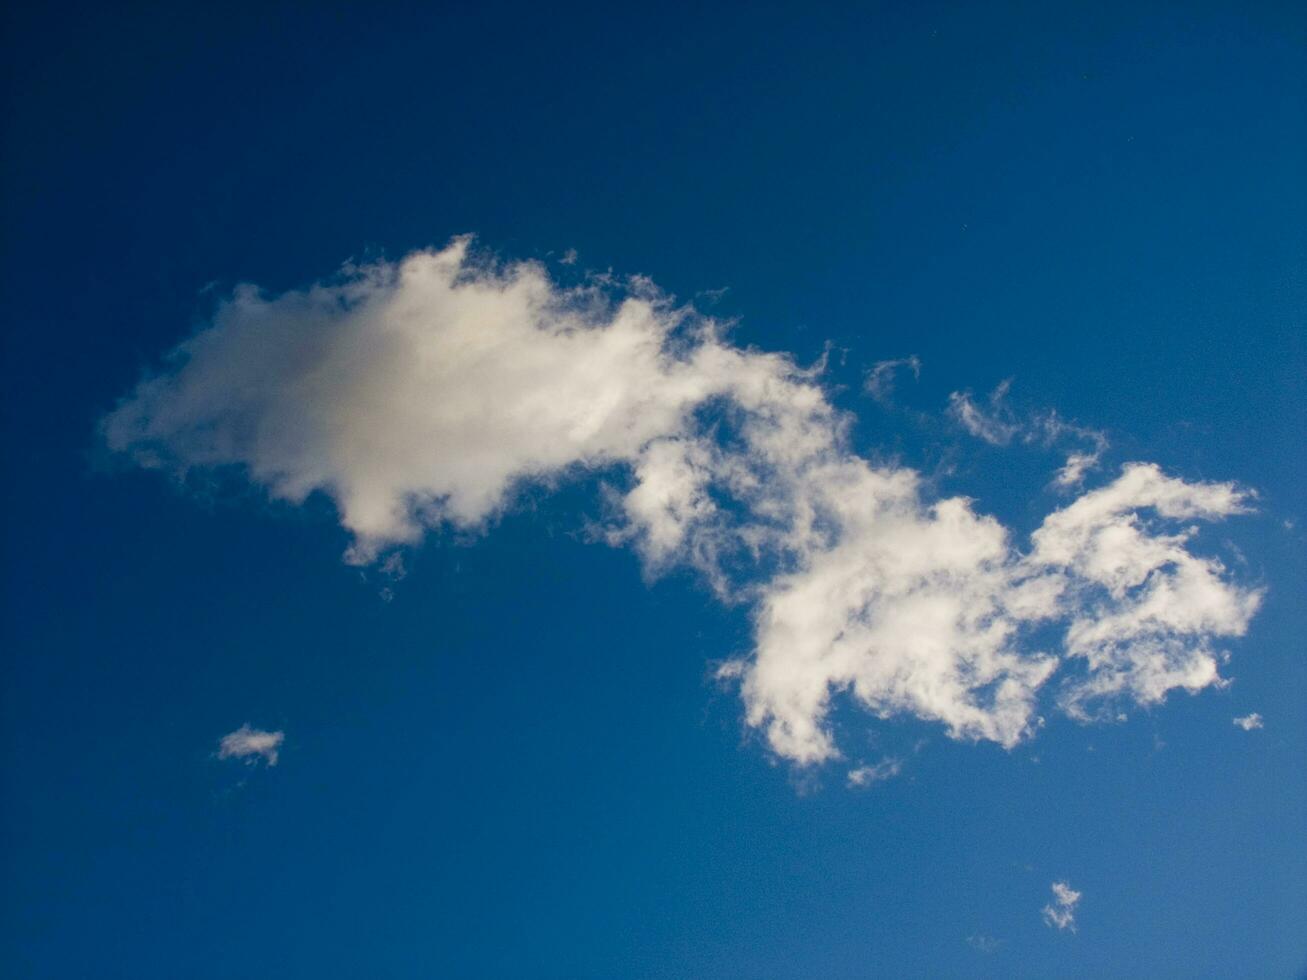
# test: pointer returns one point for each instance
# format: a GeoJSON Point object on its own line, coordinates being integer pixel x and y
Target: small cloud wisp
{"type": "Point", "coordinates": [1060, 913]}
{"type": "Point", "coordinates": [250, 745]}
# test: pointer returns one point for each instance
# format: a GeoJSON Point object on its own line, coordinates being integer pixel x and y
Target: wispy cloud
{"type": "Point", "coordinates": [1060, 913]}
{"type": "Point", "coordinates": [984, 944]}
{"type": "Point", "coordinates": [864, 776]}
{"type": "Point", "coordinates": [882, 376]}
{"type": "Point", "coordinates": [998, 424]}
{"type": "Point", "coordinates": [251, 745]}
{"type": "Point", "coordinates": [1249, 722]}
{"type": "Point", "coordinates": [425, 393]}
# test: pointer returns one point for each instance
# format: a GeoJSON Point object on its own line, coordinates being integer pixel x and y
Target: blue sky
{"type": "Point", "coordinates": [491, 558]}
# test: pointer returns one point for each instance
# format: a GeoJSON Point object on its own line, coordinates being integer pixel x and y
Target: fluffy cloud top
{"type": "Point", "coordinates": [422, 393]}
{"type": "Point", "coordinates": [251, 744]}
{"type": "Point", "coordinates": [1060, 913]}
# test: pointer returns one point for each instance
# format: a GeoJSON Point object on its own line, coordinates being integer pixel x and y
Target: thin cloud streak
{"type": "Point", "coordinates": [881, 378]}
{"type": "Point", "coordinates": [999, 425]}
{"type": "Point", "coordinates": [864, 776]}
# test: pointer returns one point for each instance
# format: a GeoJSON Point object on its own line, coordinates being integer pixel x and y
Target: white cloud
{"type": "Point", "coordinates": [1060, 913]}
{"type": "Point", "coordinates": [864, 776]}
{"type": "Point", "coordinates": [911, 609]}
{"type": "Point", "coordinates": [251, 744]}
{"type": "Point", "coordinates": [1074, 469]}
{"type": "Point", "coordinates": [924, 609]}
{"type": "Point", "coordinates": [423, 393]}
{"type": "Point", "coordinates": [1147, 609]}
{"type": "Point", "coordinates": [1249, 722]}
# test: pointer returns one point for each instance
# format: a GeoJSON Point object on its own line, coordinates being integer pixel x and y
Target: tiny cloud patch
{"type": "Point", "coordinates": [1060, 913]}
{"type": "Point", "coordinates": [251, 745]}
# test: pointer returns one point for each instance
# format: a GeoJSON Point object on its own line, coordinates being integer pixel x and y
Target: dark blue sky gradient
{"type": "Point", "coordinates": [519, 767]}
